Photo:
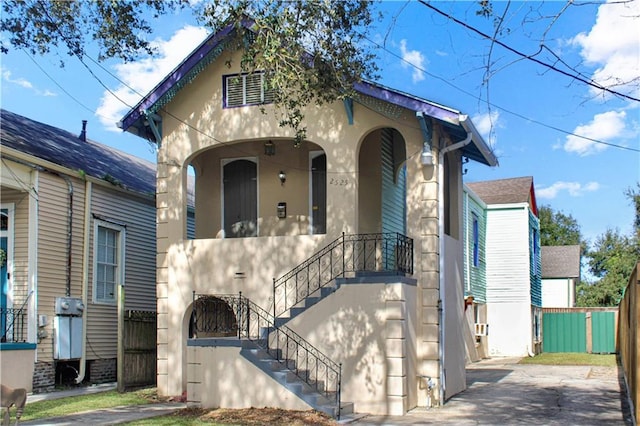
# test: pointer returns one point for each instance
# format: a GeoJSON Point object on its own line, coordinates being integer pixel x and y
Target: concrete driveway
{"type": "Point", "coordinates": [502, 392]}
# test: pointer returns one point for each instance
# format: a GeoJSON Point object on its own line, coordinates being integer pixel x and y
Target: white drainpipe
{"type": "Point", "coordinates": [441, 155]}
{"type": "Point", "coordinates": [85, 278]}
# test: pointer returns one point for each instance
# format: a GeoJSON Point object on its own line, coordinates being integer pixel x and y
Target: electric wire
{"type": "Point", "coordinates": [234, 145]}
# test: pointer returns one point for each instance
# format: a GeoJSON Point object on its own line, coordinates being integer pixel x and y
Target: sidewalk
{"type": "Point", "coordinates": [106, 416]}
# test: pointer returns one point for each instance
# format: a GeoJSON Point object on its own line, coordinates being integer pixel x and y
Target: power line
{"type": "Point", "coordinates": [508, 111]}
{"type": "Point", "coordinates": [524, 55]}
{"type": "Point", "coordinates": [376, 44]}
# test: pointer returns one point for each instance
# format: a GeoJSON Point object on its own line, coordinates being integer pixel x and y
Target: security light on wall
{"type": "Point", "coordinates": [283, 177]}
{"type": "Point", "coordinates": [426, 158]}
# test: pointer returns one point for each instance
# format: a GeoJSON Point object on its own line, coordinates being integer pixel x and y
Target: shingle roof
{"type": "Point", "coordinates": [68, 150]}
{"type": "Point", "coordinates": [503, 191]}
{"type": "Point", "coordinates": [560, 261]}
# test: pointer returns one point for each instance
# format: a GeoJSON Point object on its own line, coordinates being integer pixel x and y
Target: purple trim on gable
{"type": "Point", "coordinates": [177, 74]}
{"type": "Point", "coordinates": [402, 99]}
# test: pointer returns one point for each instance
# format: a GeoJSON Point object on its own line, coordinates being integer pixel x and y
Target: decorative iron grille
{"type": "Point", "coordinates": [13, 324]}
{"type": "Point", "coordinates": [237, 314]}
{"type": "Point", "coordinates": [348, 254]}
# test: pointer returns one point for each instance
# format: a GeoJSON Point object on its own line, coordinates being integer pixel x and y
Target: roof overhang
{"type": "Point", "coordinates": [458, 125]}
{"type": "Point", "coordinates": [136, 121]}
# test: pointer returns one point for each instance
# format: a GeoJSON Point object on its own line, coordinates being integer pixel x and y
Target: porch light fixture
{"type": "Point", "coordinates": [269, 148]}
{"type": "Point", "coordinates": [283, 177]}
{"type": "Point", "coordinates": [426, 158]}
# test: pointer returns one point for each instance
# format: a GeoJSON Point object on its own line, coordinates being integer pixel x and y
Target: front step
{"type": "Point", "coordinates": [278, 371]}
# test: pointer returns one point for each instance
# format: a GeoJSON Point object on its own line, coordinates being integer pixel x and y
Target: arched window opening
{"type": "Point", "coordinates": [212, 317]}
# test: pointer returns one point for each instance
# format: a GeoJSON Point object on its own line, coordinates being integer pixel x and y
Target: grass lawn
{"type": "Point", "coordinates": [77, 404]}
{"type": "Point", "coordinates": [572, 358]}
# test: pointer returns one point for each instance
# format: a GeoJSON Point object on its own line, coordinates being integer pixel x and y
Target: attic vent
{"type": "Point", "coordinates": [246, 89]}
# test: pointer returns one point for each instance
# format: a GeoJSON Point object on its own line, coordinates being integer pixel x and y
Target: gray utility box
{"type": "Point", "coordinates": [67, 325]}
{"type": "Point", "coordinates": [69, 306]}
{"type": "Point", "coordinates": [67, 341]}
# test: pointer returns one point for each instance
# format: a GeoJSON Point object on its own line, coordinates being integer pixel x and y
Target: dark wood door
{"type": "Point", "coordinates": [240, 199]}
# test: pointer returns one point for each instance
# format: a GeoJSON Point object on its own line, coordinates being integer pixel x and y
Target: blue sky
{"type": "Point", "coordinates": [528, 113]}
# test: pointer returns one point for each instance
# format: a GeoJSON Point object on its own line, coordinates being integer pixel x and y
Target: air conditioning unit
{"type": "Point", "coordinates": [482, 329]}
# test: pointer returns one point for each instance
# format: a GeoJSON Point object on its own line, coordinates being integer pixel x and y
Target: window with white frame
{"type": "Point", "coordinates": [245, 89]}
{"type": "Point", "coordinates": [108, 261]}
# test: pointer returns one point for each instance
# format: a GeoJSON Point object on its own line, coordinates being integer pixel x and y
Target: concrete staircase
{"type": "Point", "coordinates": [306, 303]}
{"type": "Point", "coordinates": [284, 372]}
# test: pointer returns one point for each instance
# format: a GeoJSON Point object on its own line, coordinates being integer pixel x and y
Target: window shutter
{"type": "Point", "coordinates": [235, 91]}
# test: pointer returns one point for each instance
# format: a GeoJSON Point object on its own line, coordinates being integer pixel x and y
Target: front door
{"type": "Point", "coordinates": [319, 194]}
{"type": "Point", "coordinates": [240, 195]}
{"type": "Point", "coordinates": [5, 222]}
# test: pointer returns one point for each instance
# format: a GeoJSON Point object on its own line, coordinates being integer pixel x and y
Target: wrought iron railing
{"type": "Point", "coordinates": [388, 252]}
{"type": "Point", "coordinates": [13, 325]}
{"type": "Point", "coordinates": [229, 315]}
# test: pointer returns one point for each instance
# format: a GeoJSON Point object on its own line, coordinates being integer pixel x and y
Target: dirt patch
{"type": "Point", "coordinates": [258, 416]}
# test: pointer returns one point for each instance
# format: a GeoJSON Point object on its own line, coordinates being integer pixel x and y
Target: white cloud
{"type": "Point", "coordinates": [414, 59]}
{"type": "Point", "coordinates": [25, 84]}
{"type": "Point", "coordinates": [605, 127]}
{"type": "Point", "coordinates": [613, 46]}
{"type": "Point", "coordinates": [574, 189]}
{"type": "Point", "coordinates": [487, 124]}
{"type": "Point", "coordinates": [142, 76]}
{"type": "Point", "coordinates": [6, 76]}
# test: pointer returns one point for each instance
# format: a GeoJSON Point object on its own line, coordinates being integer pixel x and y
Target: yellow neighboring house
{"type": "Point", "coordinates": [325, 275]}
{"type": "Point", "coordinates": [78, 221]}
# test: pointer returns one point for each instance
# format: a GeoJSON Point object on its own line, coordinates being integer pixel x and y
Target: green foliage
{"type": "Point", "coordinates": [611, 261]}
{"type": "Point", "coordinates": [117, 26]}
{"type": "Point", "coordinates": [311, 52]}
{"type": "Point", "coordinates": [559, 229]}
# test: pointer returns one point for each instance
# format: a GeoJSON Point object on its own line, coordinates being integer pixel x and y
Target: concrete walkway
{"type": "Point", "coordinates": [499, 392]}
{"type": "Point", "coordinates": [107, 416]}
{"type": "Point", "coordinates": [502, 392]}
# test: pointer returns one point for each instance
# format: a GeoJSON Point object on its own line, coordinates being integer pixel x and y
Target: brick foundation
{"type": "Point", "coordinates": [44, 377]}
{"type": "Point", "coordinates": [103, 370]}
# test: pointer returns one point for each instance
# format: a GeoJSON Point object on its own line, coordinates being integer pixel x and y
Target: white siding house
{"type": "Point", "coordinates": [560, 276]}
{"type": "Point", "coordinates": [513, 266]}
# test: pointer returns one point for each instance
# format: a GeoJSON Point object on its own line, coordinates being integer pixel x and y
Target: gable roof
{"type": "Point", "coordinates": [560, 261]}
{"type": "Point", "coordinates": [135, 121]}
{"type": "Point", "coordinates": [506, 191]}
{"type": "Point", "coordinates": [68, 150]}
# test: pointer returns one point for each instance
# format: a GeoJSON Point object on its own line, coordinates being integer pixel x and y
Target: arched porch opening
{"type": "Point", "coordinates": [382, 184]}
{"type": "Point", "coordinates": [256, 188]}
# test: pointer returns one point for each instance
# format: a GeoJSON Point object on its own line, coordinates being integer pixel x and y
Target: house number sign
{"type": "Point", "coordinates": [338, 182]}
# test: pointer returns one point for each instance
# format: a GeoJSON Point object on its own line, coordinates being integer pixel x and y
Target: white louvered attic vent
{"type": "Point", "coordinates": [246, 89]}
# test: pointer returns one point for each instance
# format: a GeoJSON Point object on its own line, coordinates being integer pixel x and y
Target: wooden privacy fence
{"type": "Point", "coordinates": [590, 330]}
{"type": "Point", "coordinates": [140, 329]}
{"type": "Point", "coordinates": [629, 339]}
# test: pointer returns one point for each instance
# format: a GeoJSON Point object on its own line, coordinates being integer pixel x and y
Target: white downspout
{"type": "Point", "coordinates": [85, 277]}
{"type": "Point", "coordinates": [441, 155]}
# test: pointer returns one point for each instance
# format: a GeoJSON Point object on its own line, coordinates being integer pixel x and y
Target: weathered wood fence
{"type": "Point", "coordinates": [140, 353]}
{"type": "Point", "coordinates": [629, 339]}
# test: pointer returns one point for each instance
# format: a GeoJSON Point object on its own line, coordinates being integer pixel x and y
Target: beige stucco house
{"type": "Point", "coordinates": [78, 222]}
{"type": "Point", "coordinates": [320, 275]}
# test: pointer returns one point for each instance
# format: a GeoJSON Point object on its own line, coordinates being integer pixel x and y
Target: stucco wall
{"type": "Point", "coordinates": [369, 326]}
{"type": "Point", "coordinates": [221, 377]}
{"type": "Point", "coordinates": [16, 368]}
{"type": "Point", "coordinates": [250, 264]}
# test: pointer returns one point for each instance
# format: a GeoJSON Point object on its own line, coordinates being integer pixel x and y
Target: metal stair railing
{"type": "Point", "coordinates": [226, 315]}
{"type": "Point", "coordinates": [386, 252]}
